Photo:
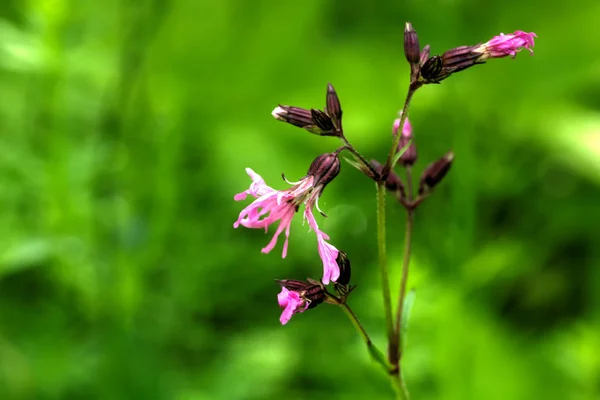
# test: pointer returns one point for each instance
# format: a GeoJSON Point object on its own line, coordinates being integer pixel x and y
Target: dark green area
{"type": "Point", "coordinates": [125, 128]}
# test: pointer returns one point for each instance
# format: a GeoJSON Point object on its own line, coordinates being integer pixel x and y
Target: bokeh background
{"type": "Point", "coordinates": [125, 128]}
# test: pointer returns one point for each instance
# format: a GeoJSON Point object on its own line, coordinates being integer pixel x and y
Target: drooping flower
{"type": "Point", "coordinates": [273, 205]}
{"type": "Point", "coordinates": [298, 296]}
{"type": "Point", "coordinates": [506, 45]}
{"type": "Point", "coordinates": [292, 303]}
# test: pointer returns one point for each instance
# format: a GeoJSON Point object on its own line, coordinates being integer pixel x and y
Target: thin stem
{"type": "Point", "coordinates": [383, 269]}
{"type": "Point", "coordinates": [388, 164]}
{"type": "Point", "coordinates": [361, 330]}
{"type": "Point", "coordinates": [405, 262]}
{"type": "Point", "coordinates": [400, 387]}
{"type": "Point", "coordinates": [351, 148]}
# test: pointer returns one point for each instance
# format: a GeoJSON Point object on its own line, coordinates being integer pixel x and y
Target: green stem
{"type": "Point", "coordinates": [383, 269]}
{"type": "Point", "coordinates": [400, 387]}
{"type": "Point", "coordinates": [405, 262]}
{"type": "Point", "coordinates": [365, 163]}
{"type": "Point", "coordinates": [388, 164]}
{"type": "Point", "coordinates": [374, 352]}
{"type": "Point", "coordinates": [361, 330]}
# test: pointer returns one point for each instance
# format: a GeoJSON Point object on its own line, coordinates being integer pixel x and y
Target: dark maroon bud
{"type": "Point", "coordinates": [424, 55]}
{"type": "Point", "coordinates": [322, 120]}
{"type": "Point", "coordinates": [303, 118]}
{"type": "Point", "coordinates": [392, 182]}
{"type": "Point", "coordinates": [345, 270]}
{"type": "Point", "coordinates": [324, 169]}
{"type": "Point", "coordinates": [412, 49]}
{"type": "Point", "coordinates": [432, 70]}
{"type": "Point", "coordinates": [333, 107]}
{"type": "Point", "coordinates": [460, 58]}
{"type": "Point", "coordinates": [293, 115]}
{"type": "Point", "coordinates": [435, 172]}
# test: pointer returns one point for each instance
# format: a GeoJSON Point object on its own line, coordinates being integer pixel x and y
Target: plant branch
{"type": "Point", "coordinates": [383, 269]}
{"type": "Point", "coordinates": [403, 115]}
{"type": "Point", "coordinates": [405, 262]}
{"type": "Point", "coordinates": [365, 163]}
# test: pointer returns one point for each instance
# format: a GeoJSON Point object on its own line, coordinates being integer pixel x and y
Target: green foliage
{"type": "Point", "coordinates": [125, 128]}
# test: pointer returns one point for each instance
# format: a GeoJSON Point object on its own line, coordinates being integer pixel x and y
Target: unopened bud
{"type": "Point", "coordinates": [432, 70]}
{"type": "Point", "coordinates": [409, 157]}
{"type": "Point", "coordinates": [313, 121]}
{"type": "Point", "coordinates": [293, 115]}
{"type": "Point", "coordinates": [324, 169]}
{"type": "Point", "coordinates": [322, 120]}
{"type": "Point", "coordinates": [333, 107]}
{"type": "Point", "coordinates": [435, 172]}
{"type": "Point", "coordinates": [345, 270]}
{"type": "Point", "coordinates": [412, 49]}
{"type": "Point", "coordinates": [392, 182]}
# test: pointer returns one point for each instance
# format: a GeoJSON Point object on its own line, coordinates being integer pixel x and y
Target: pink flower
{"type": "Point", "coordinates": [273, 205]}
{"type": "Point", "coordinates": [292, 303]}
{"type": "Point", "coordinates": [409, 157]}
{"type": "Point", "coordinates": [506, 45]}
{"type": "Point", "coordinates": [406, 129]}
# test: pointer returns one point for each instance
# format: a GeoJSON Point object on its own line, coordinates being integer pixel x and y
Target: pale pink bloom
{"type": "Point", "coordinates": [409, 157]}
{"type": "Point", "coordinates": [292, 303]}
{"type": "Point", "coordinates": [506, 45]}
{"type": "Point", "coordinates": [273, 205]}
{"type": "Point", "coordinates": [406, 129]}
{"type": "Point", "coordinates": [327, 252]}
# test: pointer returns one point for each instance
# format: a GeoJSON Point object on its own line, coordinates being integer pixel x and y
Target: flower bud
{"type": "Point", "coordinates": [432, 70]}
{"type": "Point", "coordinates": [409, 157]}
{"type": "Point", "coordinates": [435, 172]}
{"type": "Point", "coordinates": [333, 108]}
{"type": "Point", "coordinates": [392, 182]}
{"type": "Point", "coordinates": [322, 120]}
{"type": "Point", "coordinates": [324, 169]}
{"type": "Point", "coordinates": [314, 121]}
{"type": "Point", "coordinates": [345, 270]}
{"type": "Point", "coordinates": [293, 115]}
{"type": "Point", "coordinates": [412, 49]}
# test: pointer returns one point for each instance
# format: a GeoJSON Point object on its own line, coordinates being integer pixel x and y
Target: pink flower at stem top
{"type": "Point", "coordinates": [273, 205]}
{"type": "Point", "coordinates": [506, 45]}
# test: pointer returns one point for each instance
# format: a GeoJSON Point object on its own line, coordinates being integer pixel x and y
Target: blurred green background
{"type": "Point", "coordinates": [125, 128]}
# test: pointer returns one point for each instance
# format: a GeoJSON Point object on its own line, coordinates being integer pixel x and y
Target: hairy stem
{"type": "Point", "coordinates": [405, 262]}
{"type": "Point", "coordinates": [383, 269]}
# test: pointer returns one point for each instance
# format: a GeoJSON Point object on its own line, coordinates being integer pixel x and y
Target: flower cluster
{"type": "Point", "coordinates": [278, 207]}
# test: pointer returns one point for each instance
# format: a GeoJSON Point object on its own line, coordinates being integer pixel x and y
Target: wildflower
{"type": "Point", "coordinates": [273, 205]}
{"type": "Point", "coordinates": [506, 45]}
{"type": "Point", "coordinates": [438, 68]}
{"type": "Point", "coordinates": [298, 296]}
